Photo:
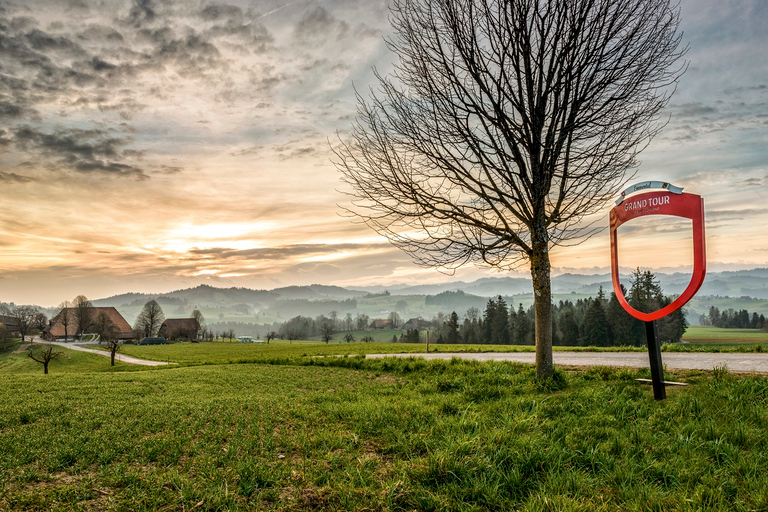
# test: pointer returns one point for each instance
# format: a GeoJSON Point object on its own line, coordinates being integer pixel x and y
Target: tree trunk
{"type": "Point", "coordinates": [542, 300]}
{"type": "Point", "coordinates": [45, 368]}
{"type": "Point", "coordinates": [112, 354]}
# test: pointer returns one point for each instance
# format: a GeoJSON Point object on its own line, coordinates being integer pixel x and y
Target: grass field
{"type": "Point", "coordinates": [703, 334]}
{"type": "Point", "coordinates": [346, 433]}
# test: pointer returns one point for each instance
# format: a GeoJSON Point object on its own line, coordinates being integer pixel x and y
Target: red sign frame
{"type": "Point", "coordinates": [689, 206]}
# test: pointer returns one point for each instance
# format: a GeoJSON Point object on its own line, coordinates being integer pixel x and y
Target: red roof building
{"type": "Point", "coordinates": [55, 328]}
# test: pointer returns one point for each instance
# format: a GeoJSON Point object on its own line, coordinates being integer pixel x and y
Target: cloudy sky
{"type": "Point", "coordinates": [159, 144]}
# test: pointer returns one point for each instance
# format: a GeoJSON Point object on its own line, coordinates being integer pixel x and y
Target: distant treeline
{"type": "Point", "coordinates": [223, 329]}
{"type": "Point", "coordinates": [732, 319]}
{"type": "Point", "coordinates": [587, 322]}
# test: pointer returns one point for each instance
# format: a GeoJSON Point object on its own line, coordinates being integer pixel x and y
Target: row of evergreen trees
{"type": "Point", "coordinates": [732, 319]}
{"type": "Point", "coordinates": [597, 321]}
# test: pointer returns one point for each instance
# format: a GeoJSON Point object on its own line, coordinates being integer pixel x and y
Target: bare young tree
{"type": "Point", "coordinates": [82, 312]}
{"type": "Point", "coordinates": [40, 322]}
{"type": "Point", "coordinates": [327, 330]}
{"type": "Point", "coordinates": [65, 317]}
{"type": "Point", "coordinates": [506, 125]}
{"type": "Point", "coordinates": [150, 319]}
{"type": "Point", "coordinates": [25, 317]}
{"type": "Point", "coordinates": [108, 335]}
{"type": "Point", "coordinates": [44, 354]}
{"type": "Point", "coordinates": [271, 335]}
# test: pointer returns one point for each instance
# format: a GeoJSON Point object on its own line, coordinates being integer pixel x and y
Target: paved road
{"type": "Point", "coordinates": [672, 360]}
{"type": "Point", "coordinates": [118, 357]}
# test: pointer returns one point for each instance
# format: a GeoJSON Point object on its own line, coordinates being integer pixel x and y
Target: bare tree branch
{"type": "Point", "coordinates": [506, 124]}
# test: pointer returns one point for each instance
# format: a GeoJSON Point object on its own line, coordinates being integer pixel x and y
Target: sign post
{"type": "Point", "coordinates": [669, 201]}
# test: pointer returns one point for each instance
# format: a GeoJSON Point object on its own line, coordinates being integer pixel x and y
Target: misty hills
{"type": "Point", "coordinates": [742, 288]}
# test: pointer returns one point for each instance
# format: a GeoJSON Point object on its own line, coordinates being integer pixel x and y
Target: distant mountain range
{"type": "Point", "coordinates": [743, 288]}
{"type": "Point", "coordinates": [742, 283]}
{"type": "Point", "coordinates": [751, 283]}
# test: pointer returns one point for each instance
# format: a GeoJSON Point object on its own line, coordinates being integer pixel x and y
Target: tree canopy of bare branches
{"type": "Point", "coordinates": [65, 317]}
{"type": "Point", "coordinates": [26, 319]}
{"type": "Point", "coordinates": [82, 312]}
{"type": "Point", "coordinates": [150, 319]}
{"type": "Point", "coordinates": [108, 335]}
{"type": "Point", "coordinates": [505, 125]}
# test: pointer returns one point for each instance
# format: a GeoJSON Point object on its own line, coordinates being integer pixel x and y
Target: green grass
{"type": "Point", "coordinates": [392, 434]}
{"type": "Point", "coordinates": [703, 334]}
{"type": "Point", "coordinates": [220, 353]}
{"type": "Point", "coordinates": [72, 361]}
{"type": "Point", "coordinates": [380, 336]}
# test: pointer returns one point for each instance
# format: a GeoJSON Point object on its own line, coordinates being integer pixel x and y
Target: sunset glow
{"type": "Point", "coordinates": [153, 146]}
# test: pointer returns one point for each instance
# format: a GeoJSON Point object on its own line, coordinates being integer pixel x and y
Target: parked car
{"type": "Point", "coordinates": [153, 341]}
{"type": "Point", "coordinates": [248, 339]}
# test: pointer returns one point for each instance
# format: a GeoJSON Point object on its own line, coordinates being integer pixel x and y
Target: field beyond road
{"type": "Point", "coordinates": [297, 432]}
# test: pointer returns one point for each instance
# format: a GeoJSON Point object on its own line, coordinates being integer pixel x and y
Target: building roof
{"type": "Point", "coordinates": [9, 322]}
{"type": "Point", "coordinates": [415, 323]}
{"type": "Point", "coordinates": [180, 324]}
{"type": "Point", "coordinates": [56, 328]}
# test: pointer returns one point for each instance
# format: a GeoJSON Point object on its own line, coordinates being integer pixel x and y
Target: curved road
{"type": "Point", "coordinates": [118, 357]}
{"type": "Point", "coordinates": [735, 362]}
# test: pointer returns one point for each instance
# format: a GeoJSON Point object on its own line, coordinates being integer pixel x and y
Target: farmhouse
{"type": "Point", "coordinates": [56, 329]}
{"type": "Point", "coordinates": [416, 323]}
{"type": "Point", "coordinates": [9, 324]}
{"type": "Point", "coordinates": [380, 323]}
{"type": "Point", "coordinates": [180, 329]}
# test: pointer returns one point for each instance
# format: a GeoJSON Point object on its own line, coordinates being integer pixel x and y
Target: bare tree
{"type": "Point", "coordinates": [25, 317]}
{"type": "Point", "coordinates": [394, 317]}
{"type": "Point", "coordinates": [82, 312]}
{"type": "Point", "coordinates": [271, 335]}
{"type": "Point", "coordinates": [362, 321]}
{"type": "Point", "coordinates": [150, 319]}
{"type": "Point", "coordinates": [506, 125]}
{"type": "Point", "coordinates": [64, 317]}
{"type": "Point", "coordinates": [327, 330]}
{"type": "Point", "coordinates": [108, 334]}
{"type": "Point", "coordinates": [44, 354]}
{"type": "Point", "coordinates": [348, 322]}
{"type": "Point", "coordinates": [197, 315]}
{"type": "Point", "coordinates": [40, 322]}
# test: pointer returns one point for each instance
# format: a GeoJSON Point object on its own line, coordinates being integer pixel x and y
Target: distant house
{"type": "Point", "coordinates": [10, 325]}
{"type": "Point", "coordinates": [180, 329]}
{"type": "Point", "coordinates": [55, 329]}
{"type": "Point", "coordinates": [379, 323]}
{"type": "Point", "coordinates": [416, 323]}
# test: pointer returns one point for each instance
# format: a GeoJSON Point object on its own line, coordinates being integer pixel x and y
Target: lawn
{"type": "Point", "coordinates": [346, 433]}
{"type": "Point", "coordinates": [703, 334]}
{"type": "Point", "coordinates": [72, 361]}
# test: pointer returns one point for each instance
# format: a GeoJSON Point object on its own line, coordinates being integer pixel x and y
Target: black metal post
{"type": "Point", "coordinates": [654, 353]}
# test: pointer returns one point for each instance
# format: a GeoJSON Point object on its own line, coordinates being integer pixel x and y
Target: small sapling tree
{"type": "Point", "coordinates": [44, 354]}
{"type": "Point", "coordinates": [108, 332]}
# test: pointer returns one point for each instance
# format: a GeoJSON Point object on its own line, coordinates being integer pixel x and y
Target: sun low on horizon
{"type": "Point", "coordinates": [151, 146]}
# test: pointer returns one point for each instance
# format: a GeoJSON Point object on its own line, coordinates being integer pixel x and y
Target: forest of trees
{"type": "Point", "coordinates": [597, 321]}
{"type": "Point", "coordinates": [732, 319]}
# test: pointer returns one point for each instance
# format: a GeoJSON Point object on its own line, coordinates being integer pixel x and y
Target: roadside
{"type": "Point", "coordinates": [737, 362]}
{"type": "Point", "coordinates": [118, 357]}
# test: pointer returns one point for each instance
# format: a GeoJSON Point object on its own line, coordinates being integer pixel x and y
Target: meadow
{"type": "Point", "coordinates": [346, 433]}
